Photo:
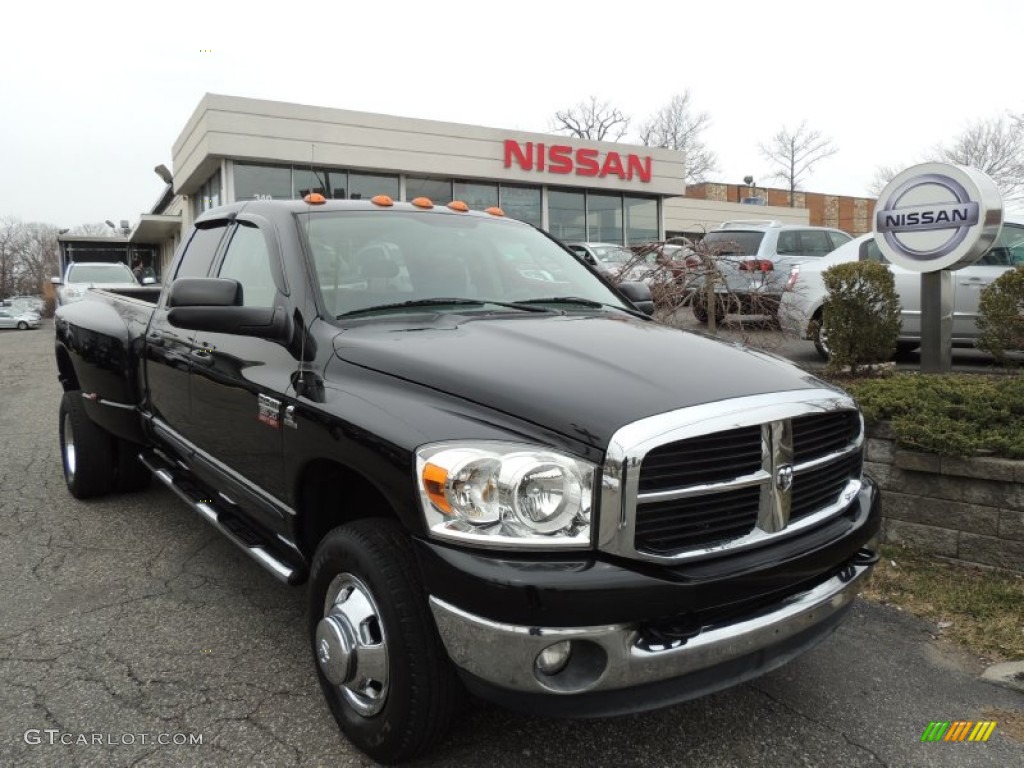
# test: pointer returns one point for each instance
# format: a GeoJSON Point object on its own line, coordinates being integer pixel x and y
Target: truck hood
{"type": "Point", "coordinates": [583, 376]}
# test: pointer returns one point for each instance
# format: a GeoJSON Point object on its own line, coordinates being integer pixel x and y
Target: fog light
{"type": "Point", "coordinates": [553, 659]}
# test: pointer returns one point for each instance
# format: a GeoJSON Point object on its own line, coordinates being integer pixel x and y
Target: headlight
{"type": "Point", "coordinates": [505, 494]}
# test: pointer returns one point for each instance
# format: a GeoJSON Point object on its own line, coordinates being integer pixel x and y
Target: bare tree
{"type": "Point", "coordinates": [94, 229]}
{"type": "Point", "coordinates": [883, 175]}
{"type": "Point", "coordinates": [38, 258]}
{"type": "Point", "coordinates": [795, 152]}
{"type": "Point", "coordinates": [994, 145]}
{"type": "Point", "coordinates": [591, 119]}
{"type": "Point", "coordinates": [678, 126]}
{"type": "Point", "coordinates": [10, 247]}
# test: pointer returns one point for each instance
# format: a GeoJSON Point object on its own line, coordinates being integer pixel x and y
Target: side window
{"type": "Point", "coordinates": [248, 261]}
{"type": "Point", "coordinates": [200, 251]}
{"type": "Point", "coordinates": [869, 252]}
{"type": "Point", "coordinates": [839, 238]}
{"type": "Point", "coordinates": [814, 242]}
{"type": "Point", "coordinates": [787, 243]}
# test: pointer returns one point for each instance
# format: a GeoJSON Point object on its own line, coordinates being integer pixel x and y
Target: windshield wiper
{"type": "Point", "coordinates": [441, 302]}
{"type": "Point", "coordinates": [579, 300]}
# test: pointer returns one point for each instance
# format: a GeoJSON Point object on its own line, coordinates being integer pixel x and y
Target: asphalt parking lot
{"type": "Point", "coordinates": [129, 621]}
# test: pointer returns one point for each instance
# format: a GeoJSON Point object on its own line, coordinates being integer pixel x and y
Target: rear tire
{"type": "Point", "coordinates": [87, 451]}
{"type": "Point", "coordinates": [364, 578]}
{"type": "Point", "coordinates": [22, 326]}
{"type": "Point", "coordinates": [700, 311]}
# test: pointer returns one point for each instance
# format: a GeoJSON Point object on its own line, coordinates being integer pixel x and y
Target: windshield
{"type": "Point", "coordinates": [367, 259]}
{"type": "Point", "coordinates": [611, 254]}
{"type": "Point", "coordinates": [733, 242]}
{"type": "Point", "coordinates": [100, 273]}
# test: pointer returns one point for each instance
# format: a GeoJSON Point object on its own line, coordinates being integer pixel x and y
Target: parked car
{"type": "Point", "coordinates": [651, 263]}
{"type": "Point", "coordinates": [609, 258]}
{"type": "Point", "coordinates": [755, 258]}
{"type": "Point", "coordinates": [22, 319]}
{"type": "Point", "coordinates": [78, 278]}
{"type": "Point", "coordinates": [418, 447]}
{"type": "Point", "coordinates": [805, 292]}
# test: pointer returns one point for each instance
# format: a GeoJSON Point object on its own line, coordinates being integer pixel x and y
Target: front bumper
{"type": "Point", "coordinates": [615, 669]}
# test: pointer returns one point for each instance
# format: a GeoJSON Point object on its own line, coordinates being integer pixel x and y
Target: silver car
{"type": "Point", "coordinates": [81, 277]}
{"type": "Point", "coordinates": [22, 319]}
{"type": "Point", "coordinates": [755, 258]}
{"type": "Point", "coordinates": [805, 295]}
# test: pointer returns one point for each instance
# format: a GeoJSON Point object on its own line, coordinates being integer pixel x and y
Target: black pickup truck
{"type": "Point", "coordinates": [494, 472]}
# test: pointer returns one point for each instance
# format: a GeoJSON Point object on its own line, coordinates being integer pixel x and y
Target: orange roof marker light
{"type": "Point", "coordinates": [314, 198]}
{"type": "Point", "coordinates": [423, 202]}
{"type": "Point", "coordinates": [495, 211]}
{"type": "Point", "coordinates": [458, 205]}
{"type": "Point", "coordinates": [382, 200]}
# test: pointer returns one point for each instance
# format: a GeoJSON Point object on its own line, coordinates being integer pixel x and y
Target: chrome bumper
{"type": "Point", "coordinates": [612, 657]}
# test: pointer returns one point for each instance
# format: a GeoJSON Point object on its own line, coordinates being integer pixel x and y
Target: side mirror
{"type": "Point", "coordinates": [639, 295]}
{"type": "Point", "coordinates": [214, 304]}
{"type": "Point", "coordinates": [149, 281]}
{"type": "Point", "coordinates": [56, 281]}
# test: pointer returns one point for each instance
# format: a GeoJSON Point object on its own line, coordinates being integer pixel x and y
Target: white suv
{"type": "Point", "coordinates": [755, 259]}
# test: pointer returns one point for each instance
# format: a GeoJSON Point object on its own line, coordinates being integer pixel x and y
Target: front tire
{"type": "Point", "coordinates": [821, 338]}
{"type": "Point", "coordinates": [380, 661]}
{"type": "Point", "coordinates": [22, 326]}
{"type": "Point", "coordinates": [87, 451]}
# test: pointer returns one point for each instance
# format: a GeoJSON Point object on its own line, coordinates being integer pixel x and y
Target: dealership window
{"type": "Point", "coordinates": [567, 218]}
{"type": "Point", "coordinates": [208, 195]}
{"type": "Point", "coordinates": [521, 202]}
{"type": "Point", "coordinates": [262, 182]}
{"type": "Point", "coordinates": [307, 180]}
{"type": "Point", "coordinates": [363, 186]}
{"type": "Point", "coordinates": [476, 195]}
{"type": "Point", "coordinates": [641, 219]}
{"type": "Point", "coordinates": [439, 191]}
{"type": "Point", "coordinates": [604, 217]}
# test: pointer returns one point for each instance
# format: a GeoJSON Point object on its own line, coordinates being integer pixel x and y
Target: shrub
{"type": "Point", "coordinates": [951, 414]}
{"type": "Point", "coordinates": [861, 314]}
{"type": "Point", "coordinates": [1001, 315]}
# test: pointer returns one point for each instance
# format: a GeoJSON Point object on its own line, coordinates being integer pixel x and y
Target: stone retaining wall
{"type": "Point", "coordinates": [971, 510]}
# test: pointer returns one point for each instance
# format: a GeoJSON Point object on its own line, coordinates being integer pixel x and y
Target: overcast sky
{"type": "Point", "coordinates": [93, 95]}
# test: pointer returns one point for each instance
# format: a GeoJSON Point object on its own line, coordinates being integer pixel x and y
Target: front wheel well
{"type": "Point", "coordinates": [66, 370]}
{"type": "Point", "coordinates": [330, 495]}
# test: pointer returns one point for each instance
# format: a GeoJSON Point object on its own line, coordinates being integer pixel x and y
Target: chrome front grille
{"type": "Point", "coordinates": [725, 476]}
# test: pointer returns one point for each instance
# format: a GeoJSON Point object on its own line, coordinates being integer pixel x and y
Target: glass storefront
{"type": "Point", "coordinates": [574, 215]}
{"type": "Point", "coordinates": [438, 191]}
{"type": "Point", "coordinates": [567, 215]}
{"type": "Point", "coordinates": [522, 202]}
{"type": "Point", "coordinates": [604, 217]}
{"type": "Point", "coordinates": [262, 182]}
{"type": "Point", "coordinates": [268, 182]}
{"type": "Point", "coordinates": [476, 195]}
{"type": "Point", "coordinates": [641, 218]}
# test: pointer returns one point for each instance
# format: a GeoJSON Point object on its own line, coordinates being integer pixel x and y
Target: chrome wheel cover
{"type": "Point", "coordinates": [351, 647]}
{"type": "Point", "coordinates": [69, 448]}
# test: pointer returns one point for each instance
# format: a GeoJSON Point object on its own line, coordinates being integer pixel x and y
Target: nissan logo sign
{"type": "Point", "coordinates": [937, 216]}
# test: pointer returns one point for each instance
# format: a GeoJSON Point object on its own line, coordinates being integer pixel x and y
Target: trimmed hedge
{"type": "Point", "coordinates": [949, 414]}
{"type": "Point", "coordinates": [1001, 315]}
{"type": "Point", "coordinates": [861, 315]}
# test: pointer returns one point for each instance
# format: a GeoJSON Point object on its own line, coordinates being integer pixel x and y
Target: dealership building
{"type": "Point", "coordinates": [235, 148]}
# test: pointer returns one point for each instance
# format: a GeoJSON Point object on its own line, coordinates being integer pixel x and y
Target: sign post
{"type": "Point", "coordinates": [933, 218]}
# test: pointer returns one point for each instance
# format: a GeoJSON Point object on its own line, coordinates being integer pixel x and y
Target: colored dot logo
{"type": "Point", "coordinates": [206, 50]}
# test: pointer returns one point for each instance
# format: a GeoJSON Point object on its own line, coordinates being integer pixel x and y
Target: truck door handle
{"type": "Point", "coordinates": [155, 338]}
{"type": "Point", "coordinates": [201, 356]}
